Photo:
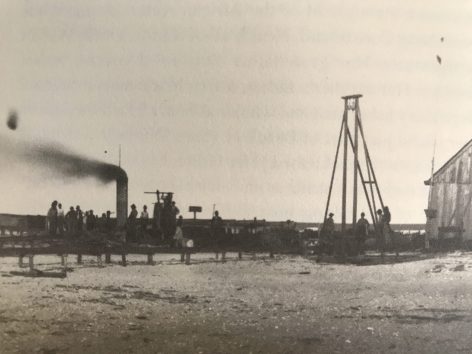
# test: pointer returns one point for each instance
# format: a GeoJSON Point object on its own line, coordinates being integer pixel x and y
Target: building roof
{"type": "Point", "coordinates": [443, 167]}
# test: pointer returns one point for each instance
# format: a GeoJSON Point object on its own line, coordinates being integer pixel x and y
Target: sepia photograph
{"type": "Point", "coordinates": [234, 176]}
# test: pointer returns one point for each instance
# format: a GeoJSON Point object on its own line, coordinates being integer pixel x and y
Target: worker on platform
{"type": "Point", "coordinates": [179, 234]}
{"type": "Point", "coordinates": [144, 219]}
{"type": "Point", "coordinates": [329, 224]}
{"type": "Point", "coordinates": [361, 231]}
{"type": "Point", "coordinates": [131, 224]}
{"type": "Point", "coordinates": [90, 220]}
{"type": "Point", "coordinates": [327, 235]}
{"type": "Point", "coordinates": [60, 219]}
{"type": "Point", "coordinates": [389, 235]}
{"type": "Point", "coordinates": [218, 234]}
{"type": "Point", "coordinates": [381, 225]}
{"type": "Point", "coordinates": [109, 222]}
{"type": "Point", "coordinates": [71, 220]}
{"type": "Point", "coordinates": [52, 219]}
{"type": "Point", "coordinates": [173, 217]}
{"type": "Point", "coordinates": [102, 223]}
{"type": "Point", "coordinates": [80, 218]}
{"type": "Point", "coordinates": [168, 221]}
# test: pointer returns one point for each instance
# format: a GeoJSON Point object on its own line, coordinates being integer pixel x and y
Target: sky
{"type": "Point", "coordinates": [232, 103]}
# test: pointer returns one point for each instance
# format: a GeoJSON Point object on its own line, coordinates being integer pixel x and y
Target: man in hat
{"type": "Point", "coordinates": [52, 219]}
{"type": "Point", "coordinates": [327, 234]}
{"type": "Point", "coordinates": [381, 224]}
{"type": "Point", "coordinates": [362, 230]}
{"type": "Point", "coordinates": [131, 226]}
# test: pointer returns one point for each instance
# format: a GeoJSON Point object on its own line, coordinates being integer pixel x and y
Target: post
{"type": "Point", "coordinates": [334, 171]}
{"type": "Point", "coordinates": [20, 262]}
{"type": "Point", "coordinates": [64, 262]}
{"type": "Point", "coordinates": [187, 257]}
{"type": "Point", "coordinates": [182, 257]}
{"type": "Point", "coordinates": [79, 258]}
{"type": "Point", "coordinates": [107, 258]}
{"type": "Point", "coordinates": [356, 158]}
{"type": "Point", "coordinates": [240, 255]}
{"type": "Point", "coordinates": [123, 259]}
{"type": "Point", "coordinates": [31, 262]}
{"type": "Point", "coordinates": [343, 214]}
{"type": "Point", "coordinates": [149, 259]}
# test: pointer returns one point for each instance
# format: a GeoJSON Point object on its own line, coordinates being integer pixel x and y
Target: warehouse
{"type": "Point", "coordinates": [449, 211]}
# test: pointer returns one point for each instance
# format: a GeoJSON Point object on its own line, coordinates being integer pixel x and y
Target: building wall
{"type": "Point", "coordinates": [451, 195]}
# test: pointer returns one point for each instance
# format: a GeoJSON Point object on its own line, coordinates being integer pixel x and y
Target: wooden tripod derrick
{"type": "Point", "coordinates": [369, 185]}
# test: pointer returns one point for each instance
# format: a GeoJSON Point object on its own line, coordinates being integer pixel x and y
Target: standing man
{"type": "Point", "coordinates": [217, 232]}
{"type": "Point", "coordinates": [71, 218]}
{"type": "Point", "coordinates": [388, 229]}
{"type": "Point", "coordinates": [144, 219]}
{"type": "Point", "coordinates": [174, 212]}
{"type": "Point", "coordinates": [80, 218]}
{"type": "Point", "coordinates": [168, 222]}
{"type": "Point", "coordinates": [109, 223]}
{"type": "Point", "coordinates": [60, 219]}
{"type": "Point", "coordinates": [327, 234]}
{"type": "Point", "coordinates": [132, 219]}
{"type": "Point", "coordinates": [381, 232]}
{"type": "Point", "coordinates": [52, 219]}
{"type": "Point", "coordinates": [362, 230]}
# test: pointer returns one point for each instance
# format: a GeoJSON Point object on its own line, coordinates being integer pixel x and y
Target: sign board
{"type": "Point", "coordinates": [195, 209]}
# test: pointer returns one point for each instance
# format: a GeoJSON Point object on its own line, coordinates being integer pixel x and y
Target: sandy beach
{"type": "Point", "coordinates": [284, 305]}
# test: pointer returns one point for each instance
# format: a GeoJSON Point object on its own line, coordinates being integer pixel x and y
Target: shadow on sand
{"type": "Point", "coordinates": [372, 259]}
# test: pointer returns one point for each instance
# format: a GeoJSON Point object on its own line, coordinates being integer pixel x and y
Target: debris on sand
{"type": "Point", "coordinates": [458, 268]}
{"type": "Point", "coordinates": [438, 268]}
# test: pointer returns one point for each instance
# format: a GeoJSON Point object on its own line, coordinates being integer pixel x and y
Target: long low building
{"type": "Point", "coordinates": [449, 210]}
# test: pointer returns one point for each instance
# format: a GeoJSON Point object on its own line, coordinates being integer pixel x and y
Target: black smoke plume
{"type": "Point", "coordinates": [59, 160]}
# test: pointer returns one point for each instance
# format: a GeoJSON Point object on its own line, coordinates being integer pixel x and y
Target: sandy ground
{"type": "Point", "coordinates": [282, 305]}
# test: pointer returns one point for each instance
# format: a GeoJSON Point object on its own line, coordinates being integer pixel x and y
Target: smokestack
{"type": "Point", "coordinates": [121, 200]}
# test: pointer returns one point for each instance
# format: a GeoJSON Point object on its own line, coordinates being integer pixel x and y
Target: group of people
{"type": "Point", "coordinates": [362, 228]}
{"type": "Point", "coordinates": [167, 223]}
{"type": "Point", "coordinates": [75, 220]}
{"type": "Point", "coordinates": [166, 220]}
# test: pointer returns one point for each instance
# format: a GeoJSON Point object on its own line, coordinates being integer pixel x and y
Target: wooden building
{"type": "Point", "coordinates": [449, 211]}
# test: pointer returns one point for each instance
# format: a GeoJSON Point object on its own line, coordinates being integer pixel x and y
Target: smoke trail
{"type": "Point", "coordinates": [59, 160]}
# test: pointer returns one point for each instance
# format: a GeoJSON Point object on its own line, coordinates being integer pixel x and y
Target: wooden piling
{"type": "Point", "coordinates": [31, 262]}
{"type": "Point", "coordinates": [64, 262]}
{"type": "Point", "coordinates": [187, 258]}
